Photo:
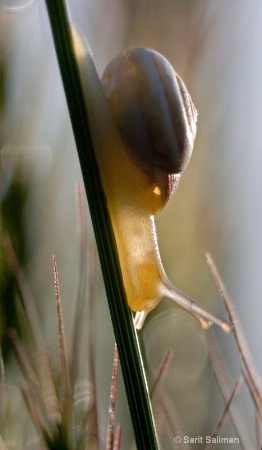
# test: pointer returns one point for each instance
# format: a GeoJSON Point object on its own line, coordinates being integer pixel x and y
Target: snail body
{"type": "Point", "coordinates": [143, 125]}
{"type": "Point", "coordinates": [148, 168]}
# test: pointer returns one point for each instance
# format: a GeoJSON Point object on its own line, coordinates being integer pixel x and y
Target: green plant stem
{"type": "Point", "coordinates": [125, 334]}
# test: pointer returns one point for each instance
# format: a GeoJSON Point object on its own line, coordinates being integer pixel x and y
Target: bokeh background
{"type": "Point", "coordinates": [215, 46]}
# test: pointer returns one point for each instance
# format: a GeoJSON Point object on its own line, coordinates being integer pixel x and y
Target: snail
{"type": "Point", "coordinates": [143, 124]}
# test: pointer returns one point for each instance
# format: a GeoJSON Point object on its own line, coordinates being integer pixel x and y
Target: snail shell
{"type": "Point", "coordinates": [153, 113]}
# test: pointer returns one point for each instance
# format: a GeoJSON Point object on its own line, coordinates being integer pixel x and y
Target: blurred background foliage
{"type": "Point", "coordinates": [214, 45]}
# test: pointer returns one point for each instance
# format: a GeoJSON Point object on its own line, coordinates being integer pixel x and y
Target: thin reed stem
{"type": "Point", "coordinates": [126, 338]}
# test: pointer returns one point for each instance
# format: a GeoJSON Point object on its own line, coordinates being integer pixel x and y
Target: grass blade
{"type": "Point", "coordinates": [126, 339]}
